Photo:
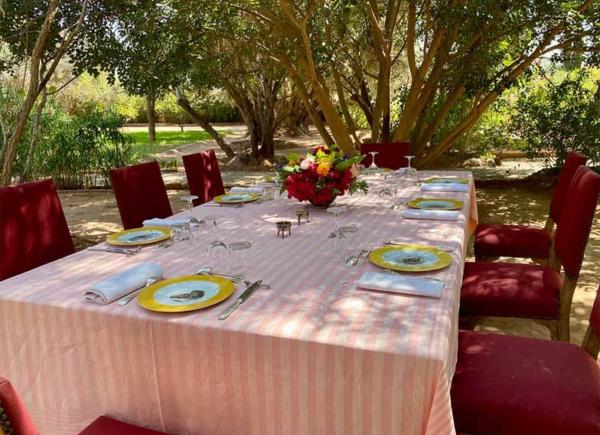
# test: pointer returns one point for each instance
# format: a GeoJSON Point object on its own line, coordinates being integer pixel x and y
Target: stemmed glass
{"type": "Point", "coordinates": [389, 190]}
{"type": "Point", "coordinates": [411, 173]}
{"type": "Point", "coordinates": [190, 200]}
{"type": "Point", "coordinates": [217, 248]}
{"type": "Point", "coordinates": [373, 167]}
{"type": "Point", "coordinates": [337, 211]}
{"type": "Point", "coordinates": [336, 237]}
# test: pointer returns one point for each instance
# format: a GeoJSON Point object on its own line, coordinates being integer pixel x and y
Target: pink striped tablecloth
{"type": "Point", "coordinates": [312, 355]}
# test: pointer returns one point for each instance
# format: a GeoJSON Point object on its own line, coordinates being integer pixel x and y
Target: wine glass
{"type": "Point", "coordinates": [190, 200]}
{"type": "Point", "coordinates": [217, 248]}
{"type": "Point", "coordinates": [373, 167]}
{"type": "Point", "coordinates": [337, 211]}
{"type": "Point", "coordinates": [411, 173]}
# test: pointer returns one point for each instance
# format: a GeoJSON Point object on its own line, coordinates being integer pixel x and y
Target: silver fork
{"type": "Point", "coordinates": [126, 299]}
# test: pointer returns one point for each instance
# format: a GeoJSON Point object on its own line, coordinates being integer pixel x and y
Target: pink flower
{"type": "Point", "coordinates": [305, 164]}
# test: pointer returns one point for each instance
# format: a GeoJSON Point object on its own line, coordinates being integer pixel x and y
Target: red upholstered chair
{"type": "Point", "coordinates": [33, 228]}
{"type": "Point", "coordinates": [515, 385]}
{"type": "Point", "coordinates": [109, 426]}
{"type": "Point", "coordinates": [21, 423]}
{"type": "Point", "coordinates": [531, 291]}
{"type": "Point", "coordinates": [391, 154]}
{"type": "Point", "coordinates": [203, 175]}
{"type": "Point", "coordinates": [18, 417]}
{"type": "Point", "coordinates": [522, 241]}
{"type": "Point", "coordinates": [140, 193]}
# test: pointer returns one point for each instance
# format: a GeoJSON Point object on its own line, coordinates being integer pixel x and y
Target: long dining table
{"type": "Point", "coordinates": [312, 354]}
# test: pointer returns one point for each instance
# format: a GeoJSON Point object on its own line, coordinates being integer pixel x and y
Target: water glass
{"type": "Point", "coordinates": [182, 231]}
{"type": "Point", "coordinates": [237, 255]}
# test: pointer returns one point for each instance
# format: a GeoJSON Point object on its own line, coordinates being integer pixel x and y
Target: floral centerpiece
{"type": "Point", "coordinates": [324, 174]}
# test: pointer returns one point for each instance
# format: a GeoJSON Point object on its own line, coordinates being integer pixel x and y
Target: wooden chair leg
{"type": "Point", "coordinates": [564, 334]}
{"type": "Point", "coordinates": [591, 343]}
{"type": "Point", "coordinates": [566, 298]}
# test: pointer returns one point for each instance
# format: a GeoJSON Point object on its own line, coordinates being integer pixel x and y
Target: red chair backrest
{"type": "Point", "coordinates": [576, 218]}
{"type": "Point", "coordinates": [15, 410]}
{"type": "Point", "coordinates": [33, 228]}
{"type": "Point", "coordinates": [203, 175]}
{"type": "Point", "coordinates": [140, 193]}
{"type": "Point", "coordinates": [391, 154]}
{"type": "Point", "coordinates": [573, 161]}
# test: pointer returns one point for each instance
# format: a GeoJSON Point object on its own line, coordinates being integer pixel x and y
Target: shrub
{"type": "Point", "coordinates": [559, 118]}
{"type": "Point", "coordinates": [77, 151]}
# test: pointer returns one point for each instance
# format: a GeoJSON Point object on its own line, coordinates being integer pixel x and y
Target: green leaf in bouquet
{"type": "Point", "coordinates": [343, 165]}
{"type": "Point", "coordinates": [293, 158]}
{"type": "Point", "coordinates": [289, 168]}
{"type": "Point", "coordinates": [357, 185]}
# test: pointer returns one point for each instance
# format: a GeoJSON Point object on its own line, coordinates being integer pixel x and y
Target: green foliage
{"type": "Point", "coordinates": [75, 150]}
{"type": "Point", "coordinates": [557, 118]}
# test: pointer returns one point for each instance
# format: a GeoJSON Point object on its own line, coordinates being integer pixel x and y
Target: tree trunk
{"type": "Point", "coordinates": [10, 148]}
{"type": "Point", "coordinates": [151, 113]}
{"type": "Point", "coordinates": [35, 134]}
{"type": "Point", "coordinates": [184, 103]}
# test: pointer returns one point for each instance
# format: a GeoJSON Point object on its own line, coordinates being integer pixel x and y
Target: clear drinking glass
{"type": "Point", "coordinates": [190, 200]}
{"type": "Point", "coordinates": [182, 231]}
{"type": "Point", "coordinates": [373, 166]}
{"type": "Point", "coordinates": [337, 211]}
{"type": "Point", "coordinates": [237, 256]}
{"type": "Point", "coordinates": [217, 248]}
{"type": "Point", "coordinates": [411, 173]}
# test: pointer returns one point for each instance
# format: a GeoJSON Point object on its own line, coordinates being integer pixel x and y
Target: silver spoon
{"type": "Point", "coordinates": [208, 271]}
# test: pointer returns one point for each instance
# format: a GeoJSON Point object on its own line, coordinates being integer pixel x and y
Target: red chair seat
{"type": "Point", "coordinates": [514, 385]}
{"type": "Point", "coordinates": [510, 290]}
{"type": "Point", "coordinates": [109, 426]}
{"type": "Point", "coordinates": [511, 241]}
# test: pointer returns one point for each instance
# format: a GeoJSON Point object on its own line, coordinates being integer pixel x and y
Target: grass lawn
{"type": "Point", "coordinates": [165, 140]}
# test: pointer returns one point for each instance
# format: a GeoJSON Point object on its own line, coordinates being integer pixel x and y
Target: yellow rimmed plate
{"type": "Point", "coordinates": [139, 236]}
{"type": "Point", "coordinates": [410, 258]}
{"type": "Point", "coordinates": [446, 180]}
{"type": "Point", "coordinates": [169, 296]}
{"type": "Point", "coordinates": [436, 204]}
{"type": "Point", "coordinates": [236, 198]}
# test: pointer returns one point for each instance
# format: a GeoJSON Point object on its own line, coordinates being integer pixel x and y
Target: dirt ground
{"type": "Point", "coordinates": [93, 214]}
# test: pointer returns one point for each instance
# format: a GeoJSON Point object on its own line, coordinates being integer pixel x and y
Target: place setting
{"type": "Point", "coordinates": [130, 242]}
{"type": "Point", "coordinates": [402, 263]}
{"type": "Point", "coordinates": [207, 286]}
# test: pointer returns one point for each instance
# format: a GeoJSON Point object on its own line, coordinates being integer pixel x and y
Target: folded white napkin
{"type": "Point", "coordinates": [121, 284]}
{"type": "Point", "coordinates": [410, 285]}
{"type": "Point", "coordinates": [436, 215]}
{"type": "Point", "coordinates": [253, 189]}
{"type": "Point", "coordinates": [167, 222]}
{"type": "Point", "coordinates": [445, 187]}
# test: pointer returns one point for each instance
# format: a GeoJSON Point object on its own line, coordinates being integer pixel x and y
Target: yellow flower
{"type": "Point", "coordinates": [323, 168]}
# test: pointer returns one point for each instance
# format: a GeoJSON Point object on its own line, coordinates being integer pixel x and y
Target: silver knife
{"type": "Point", "coordinates": [240, 300]}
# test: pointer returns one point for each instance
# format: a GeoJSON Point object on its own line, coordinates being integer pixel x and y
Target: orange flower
{"type": "Point", "coordinates": [323, 169]}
